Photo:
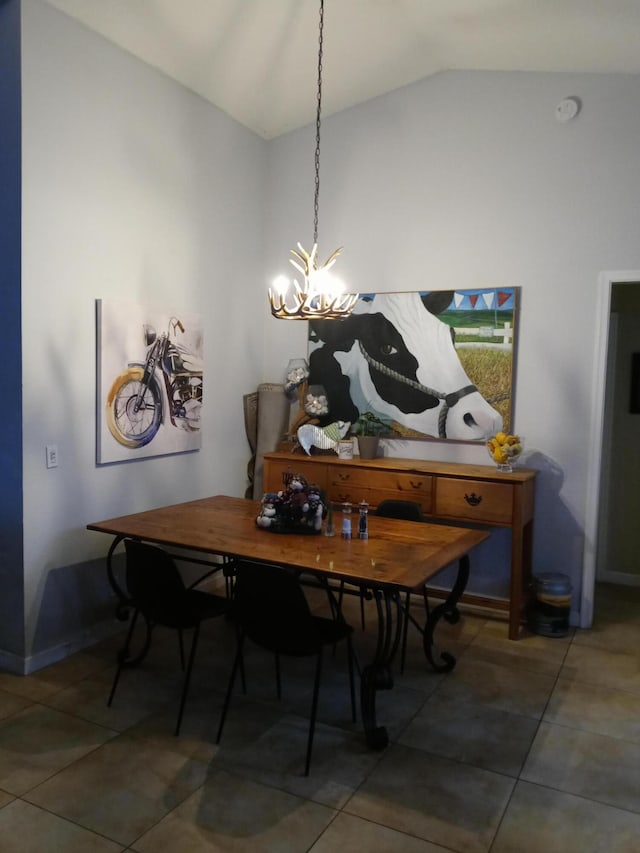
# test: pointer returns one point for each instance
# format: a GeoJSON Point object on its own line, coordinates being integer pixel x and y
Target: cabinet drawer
{"type": "Point", "coordinates": [357, 484]}
{"type": "Point", "coordinates": [311, 471]}
{"type": "Point", "coordinates": [474, 500]}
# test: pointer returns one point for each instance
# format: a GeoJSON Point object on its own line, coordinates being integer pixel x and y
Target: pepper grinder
{"type": "Point", "coordinates": [363, 522]}
{"type": "Point", "coordinates": [346, 520]}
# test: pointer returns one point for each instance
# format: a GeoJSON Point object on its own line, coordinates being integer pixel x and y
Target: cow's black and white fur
{"type": "Point", "coordinates": [395, 358]}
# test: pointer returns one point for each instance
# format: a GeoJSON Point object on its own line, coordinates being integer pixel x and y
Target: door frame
{"type": "Point", "coordinates": [606, 280]}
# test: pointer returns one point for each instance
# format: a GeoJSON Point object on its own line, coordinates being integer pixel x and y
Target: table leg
{"type": "Point", "coordinates": [450, 611]}
{"type": "Point", "coordinates": [377, 675]}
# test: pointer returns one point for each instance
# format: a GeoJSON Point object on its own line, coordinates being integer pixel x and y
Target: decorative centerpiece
{"type": "Point", "coordinates": [504, 449]}
{"type": "Point", "coordinates": [298, 508]}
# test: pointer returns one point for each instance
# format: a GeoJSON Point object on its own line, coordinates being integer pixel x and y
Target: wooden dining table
{"type": "Point", "coordinates": [396, 558]}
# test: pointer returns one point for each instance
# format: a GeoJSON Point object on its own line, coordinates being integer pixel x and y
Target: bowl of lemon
{"type": "Point", "coordinates": [504, 449]}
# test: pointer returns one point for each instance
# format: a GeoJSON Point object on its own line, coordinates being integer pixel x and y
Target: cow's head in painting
{"type": "Point", "coordinates": [395, 358]}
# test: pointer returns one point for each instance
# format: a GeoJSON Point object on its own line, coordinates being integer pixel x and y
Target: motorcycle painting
{"type": "Point", "coordinates": [150, 382]}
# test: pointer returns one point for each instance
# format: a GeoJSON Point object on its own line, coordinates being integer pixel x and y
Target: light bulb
{"type": "Point", "coordinates": [322, 281]}
{"type": "Point", "coordinates": [281, 285]}
{"type": "Point", "coordinates": [334, 285]}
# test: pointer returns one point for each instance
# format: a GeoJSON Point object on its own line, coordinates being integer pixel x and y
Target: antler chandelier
{"type": "Point", "coordinates": [320, 296]}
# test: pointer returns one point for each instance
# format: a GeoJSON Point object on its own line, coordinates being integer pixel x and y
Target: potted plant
{"type": "Point", "coordinates": [368, 430]}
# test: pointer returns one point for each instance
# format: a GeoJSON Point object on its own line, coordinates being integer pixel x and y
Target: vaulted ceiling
{"type": "Point", "coordinates": [257, 59]}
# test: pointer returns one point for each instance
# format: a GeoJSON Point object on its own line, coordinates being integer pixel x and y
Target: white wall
{"type": "Point", "coordinates": [133, 189]}
{"type": "Point", "coordinates": [466, 180]}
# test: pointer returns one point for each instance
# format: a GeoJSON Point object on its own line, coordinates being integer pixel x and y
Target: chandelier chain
{"type": "Point", "coordinates": [318, 114]}
{"type": "Point", "coordinates": [320, 297]}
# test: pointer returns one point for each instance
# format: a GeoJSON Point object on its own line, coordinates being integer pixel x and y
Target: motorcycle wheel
{"type": "Point", "coordinates": [128, 427]}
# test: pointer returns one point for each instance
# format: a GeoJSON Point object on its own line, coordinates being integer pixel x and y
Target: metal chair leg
{"type": "Point", "coordinates": [405, 627]}
{"type": "Point", "coordinates": [181, 643]}
{"type": "Point", "coordinates": [123, 654]}
{"type": "Point", "coordinates": [278, 679]}
{"type": "Point", "coordinates": [314, 710]}
{"type": "Point", "coordinates": [227, 698]}
{"type": "Point", "coordinates": [187, 677]}
{"type": "Point", "coordinates": [352, 687]}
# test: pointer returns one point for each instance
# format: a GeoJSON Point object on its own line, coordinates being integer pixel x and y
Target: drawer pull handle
{"type": "Point", "coordinates": [473, 499]}
{"type": "Point", "coordinates": [417, 485]}
{"type": "Point", "coordinates": [343, 476]}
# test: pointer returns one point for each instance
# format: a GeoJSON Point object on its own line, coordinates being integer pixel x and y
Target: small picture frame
{"type": "Point", "coordinates": [634, 391]}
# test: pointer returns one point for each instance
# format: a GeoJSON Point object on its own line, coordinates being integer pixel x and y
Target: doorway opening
{"type": "Point", "coordinates": [618, 296]}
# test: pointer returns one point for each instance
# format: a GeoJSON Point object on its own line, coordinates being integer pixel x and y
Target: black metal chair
{"type": "Point", "coordinates": [405, 511]}
{"type": "Point", "coordinates": [270, 608]}
{"type": "Point", "coordinates": [158, 593]}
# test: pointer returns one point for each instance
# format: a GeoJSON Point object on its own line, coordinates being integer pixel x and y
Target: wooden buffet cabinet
{"type": "Point", "coordinates": [448, 491]}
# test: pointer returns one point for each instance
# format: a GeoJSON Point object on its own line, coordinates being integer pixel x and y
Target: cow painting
{"type": "Point", "coordinates": [395, 358]}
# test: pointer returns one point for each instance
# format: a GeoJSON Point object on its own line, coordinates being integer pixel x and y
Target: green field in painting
{"type": "Point", "coordinates": [490, 371]}
{"type": "Point", "coordinates": [473, 319]}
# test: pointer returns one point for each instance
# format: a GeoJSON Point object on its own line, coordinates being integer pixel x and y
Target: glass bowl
{"type": "Point", "coordinates": [504, 449]}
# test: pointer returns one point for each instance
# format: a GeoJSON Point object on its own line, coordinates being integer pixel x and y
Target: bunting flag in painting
{"type": "Point", "coordinates": [484, 298]}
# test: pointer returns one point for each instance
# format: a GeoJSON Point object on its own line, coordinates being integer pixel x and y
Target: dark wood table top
{"type": "Point", "coordinates": [397, 553]}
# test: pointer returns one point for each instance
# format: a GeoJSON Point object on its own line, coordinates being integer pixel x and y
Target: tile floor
{"type": "Point", "coordinates": [525, 747]}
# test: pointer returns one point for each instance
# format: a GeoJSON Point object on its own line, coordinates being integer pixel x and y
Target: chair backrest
{"type": "Point", "coordinates": [155, 584]}
{"type": "Point", "coordinates": [405, 510]}
{"type": "Point", "coordinates": [270, 606]}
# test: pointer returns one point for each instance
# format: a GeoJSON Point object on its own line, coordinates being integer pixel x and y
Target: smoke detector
{"type": "Point", "coordinates": [567, 109]}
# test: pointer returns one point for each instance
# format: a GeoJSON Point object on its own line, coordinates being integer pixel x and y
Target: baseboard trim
{"type": "Point", "coordinates": [621, 578]}
{"type": "Point", "coordinates": [11, 663]}
{"type": "Point", "coordinates": [32, 663]}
